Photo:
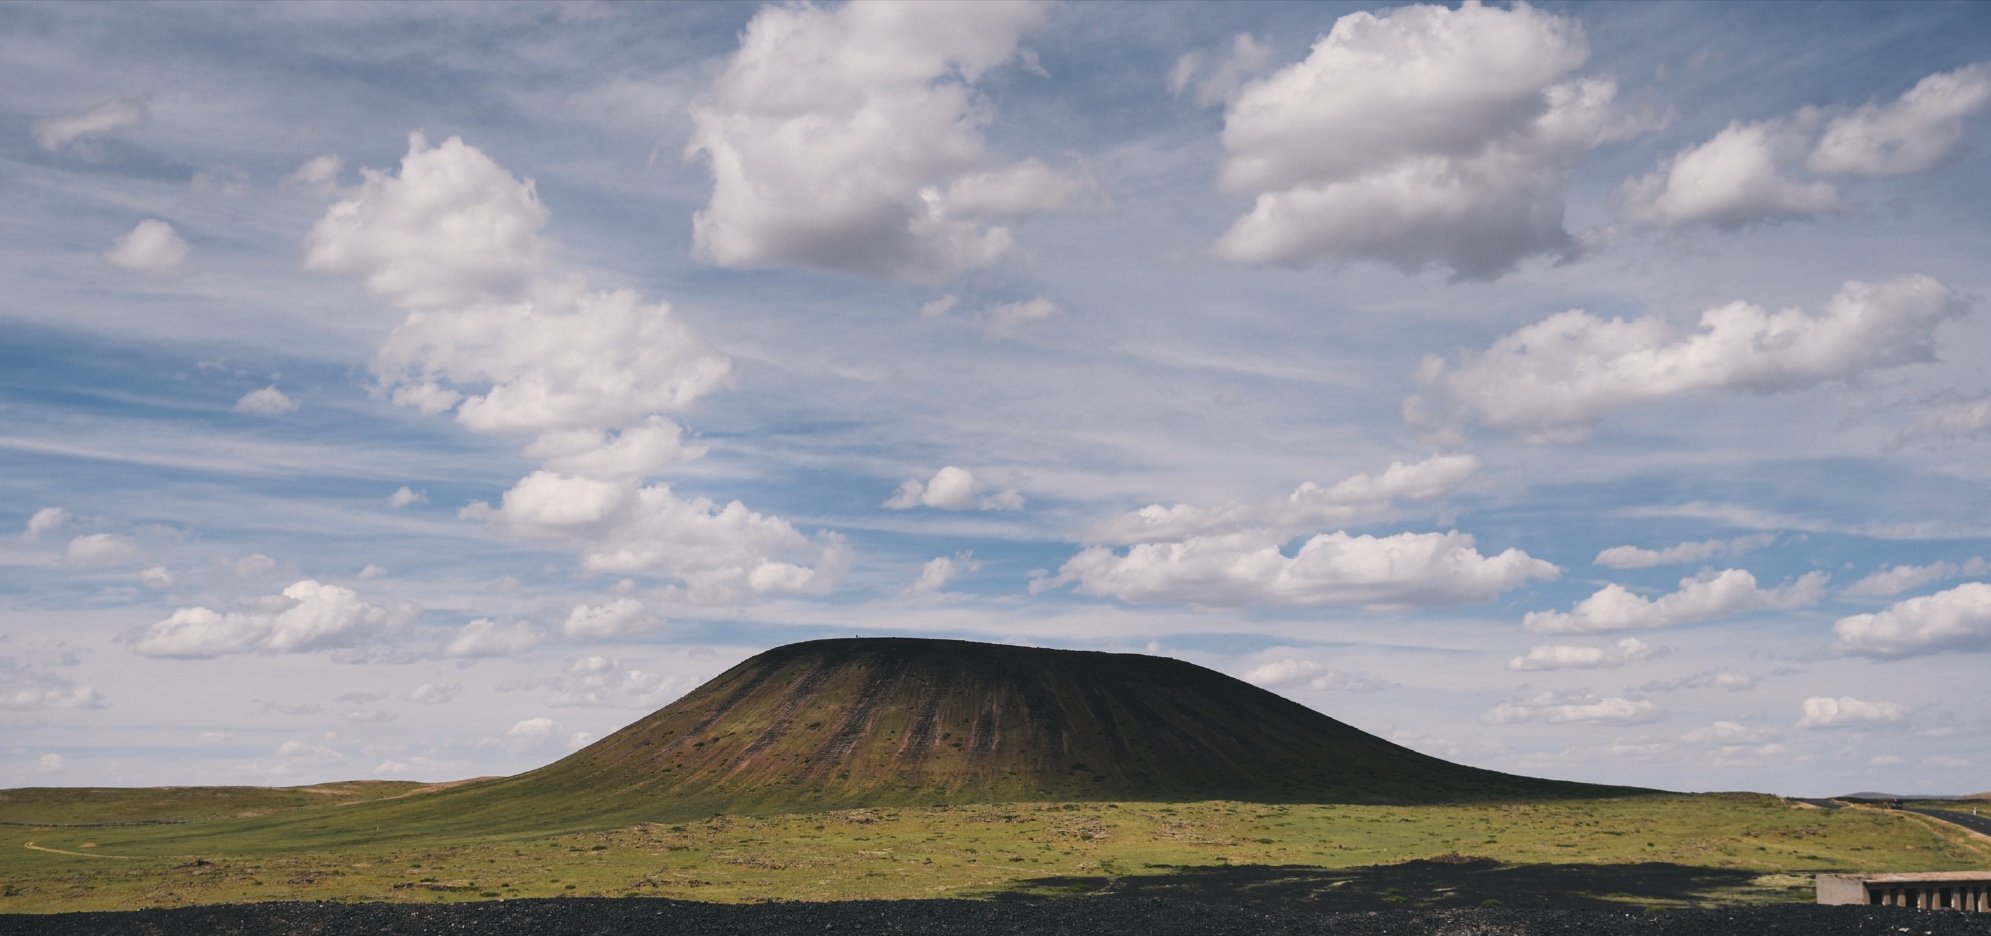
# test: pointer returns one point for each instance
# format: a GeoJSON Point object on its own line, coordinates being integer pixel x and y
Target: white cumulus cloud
{"type": "Point", "coordinates": [1421, 135]}
{"type": "Point", "coordinates": [45, 520]}
{"type": "Point", "coordinates": [308, 616]}
{"type": "Point", "coordinates": [1221, 80]}
{"type": "Point", "coordinates": [1554, 380]}
{"type": "Point", "coordinates": [1281, 672]}
{"type": "Point", "coordinates": [405, 496]}
{"type": "Point", "coordinates": [152, 246]}
{"type": "Point", "coordinates": [722, 553]}
{"type": "Point", "coordinates": [1005, 319]}
{"type": "Point", "coordinates": [631, 452]}
{"type": "Point", "coordinates": [24, 688]}
{"type": "Point", "coordinates": [1709, 596]}
{"type": "Point", "coordinates": [608, 682]}
{"type": "Point", "coordinates": [1313, 675]}
{"type": "Point", "coordinates": [1405, 569]}
{"type": "Point", "coordinates": [619, 618]}
{"type": "Point", "coordinates": [941, 570]}
{"type": "Point", "coordinates": [1829, 712]}
{"type": "Point", "coordinates": [1954, 418]}
{"type": "Point", "coordinates": [531, 730]}
{"type": "Point", "coordinates": [451, 227]}
{"type": "Point", "coordinates": [254, 566]}
{"type": "Point", "coordinates": [1723, 732]}
{"type": "Point", "coordinates": [485, 637]}
{"type": "Point", "coordinates": [433, 693]}
{"type": "Point", "coordinates": [1561, 708]}
{"type": "Point", "coordinates": [97, 549]}
{"type": "Point", "coordinates": [850, 139]}
{"type": "Point", "coordinates": [1919, 131]}
{"type": "Point", "coordinates": [591, 377]}
{"type": "Point", "coordinates": [268, 401]}
{"type": "Point", "coordinates": [1733, 755]}
{"type": "Point", "coordinates": [1310, 506]}
{"type": "Point", "coordinates": [1027, 188]}
{"type": "Point", "coordinates": [1564, 656]}
{"type": "Point", "coordinates": [1341, 681]}
{"type": "Point", "coordinates": [1733, 180]}
{"type": "Point", "coordinates": [953, 488]}
{"type": "Point", "coordinates": [1727, 680]}
{"type": "Point", "coordinates": [1957, 619]}
{"type": "Point", "coordinates": [936, 308]}
{"type": "Point", "coordinates": [1749, 172]}
{"type": "Point", "coordinates": [562, 360]}
{"type": "Point", "coordinates": [318, 176]}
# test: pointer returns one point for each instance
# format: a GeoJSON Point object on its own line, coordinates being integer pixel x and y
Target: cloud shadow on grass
{"type": "Point", "coordinates": [1454, 881]}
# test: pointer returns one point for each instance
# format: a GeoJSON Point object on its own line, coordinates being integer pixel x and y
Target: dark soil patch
{"type": "Point", "coordinates": [1444, 883]}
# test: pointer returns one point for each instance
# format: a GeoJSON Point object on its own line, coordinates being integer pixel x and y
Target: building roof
{"type": "Point", "coordinates": [1918, 877]}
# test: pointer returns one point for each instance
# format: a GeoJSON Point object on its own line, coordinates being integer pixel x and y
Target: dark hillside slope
{"type": "Point", "coordinates": [834, 724]}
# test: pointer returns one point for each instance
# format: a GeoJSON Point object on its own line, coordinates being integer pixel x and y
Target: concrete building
{"type": "Point", "coordinates": [1968, 891]}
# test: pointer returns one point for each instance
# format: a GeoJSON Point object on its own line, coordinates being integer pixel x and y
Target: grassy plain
{"type": "Point", "coordinates": [164, 805]}
{"type": "Point", "coordinates": [53, 859]}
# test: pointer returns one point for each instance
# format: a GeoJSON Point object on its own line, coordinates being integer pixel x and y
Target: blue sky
{"type": "Point", "coordinates": [422, 391]}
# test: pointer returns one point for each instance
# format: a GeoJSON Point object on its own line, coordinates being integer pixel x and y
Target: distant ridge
{"type": "Point", "coordinates": [843, 723]}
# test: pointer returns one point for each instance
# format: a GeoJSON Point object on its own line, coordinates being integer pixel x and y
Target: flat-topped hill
{"type": "Point", "coordinates": [838, 724]}
{"type": "Point", "coordinates": [884, 721]}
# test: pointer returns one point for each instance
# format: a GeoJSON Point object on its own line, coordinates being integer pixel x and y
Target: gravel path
{"type": "Point", "coordinates": [1075, 917]}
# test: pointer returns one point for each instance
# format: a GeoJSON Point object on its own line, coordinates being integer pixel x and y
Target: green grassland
{"type": "Point", "coordinates": [318, 847]}
{"type": "Point", "coordinates": [161, 805]}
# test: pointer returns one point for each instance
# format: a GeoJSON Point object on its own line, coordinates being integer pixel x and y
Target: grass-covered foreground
{"type": "Point", "coordinates": [65, 850]}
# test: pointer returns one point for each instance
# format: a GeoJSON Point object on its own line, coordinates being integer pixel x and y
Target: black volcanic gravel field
{"type": "Point", "coordinates": [1078, 917]}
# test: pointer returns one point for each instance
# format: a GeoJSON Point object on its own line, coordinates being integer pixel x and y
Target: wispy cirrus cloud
{"type": "Point", "coordinates": [1895, 579]}
{"type": "Point", "coordinates": [78, 132]}
{"type": "Point", "coordinates": [1634, 557]}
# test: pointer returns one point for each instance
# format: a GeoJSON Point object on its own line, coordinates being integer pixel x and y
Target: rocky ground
{"type": "Point", "coordinates": [1083, 915]}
